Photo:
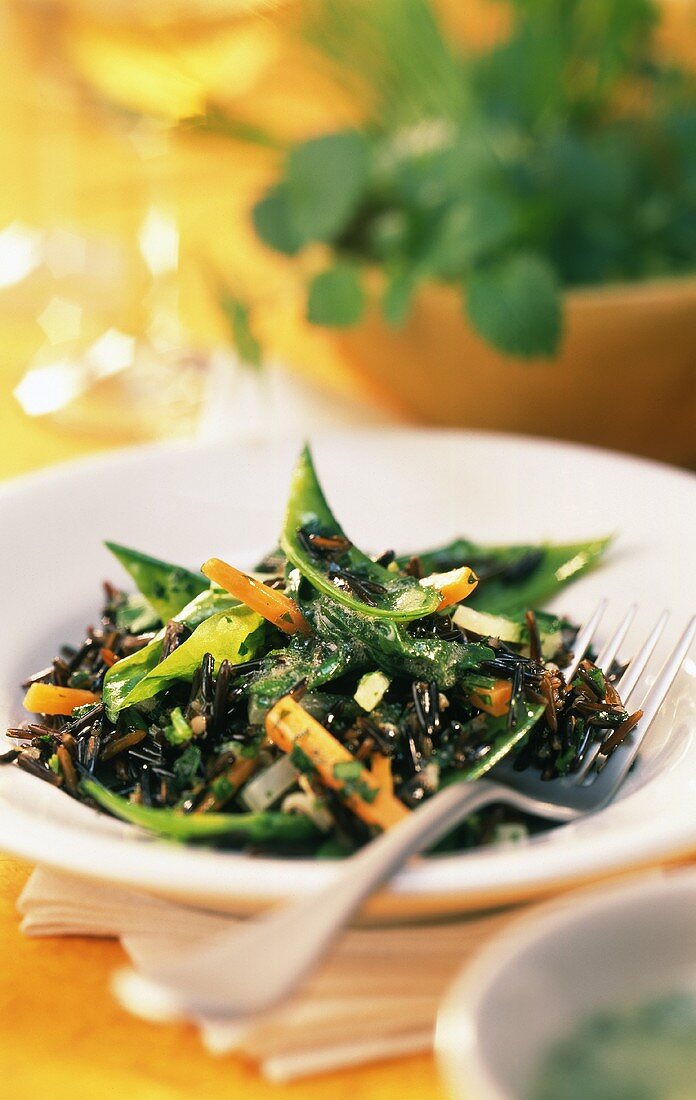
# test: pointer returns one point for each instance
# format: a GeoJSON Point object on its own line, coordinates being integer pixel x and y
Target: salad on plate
{"type": "Point", "coordinates": [304, 706]}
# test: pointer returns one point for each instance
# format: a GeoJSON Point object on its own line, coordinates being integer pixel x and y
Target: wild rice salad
{"type": "Point", "coordinates": [305, 706]}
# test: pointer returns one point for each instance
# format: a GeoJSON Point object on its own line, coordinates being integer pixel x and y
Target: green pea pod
{"type": "Point", "coordinates": [503, 741]}
{"type": "Point", "coordinates": [174, 825]}
{"type": "Point", "coordinates": [123, 677]}
{"type": "Point", "coordinates": [515, 578]}
{"type": "Point", "coordinates": [166, 587]}
{"type": "Point", "coordinates": [389, 646]}
{"type": "Point", "coordinates": [391, 595]}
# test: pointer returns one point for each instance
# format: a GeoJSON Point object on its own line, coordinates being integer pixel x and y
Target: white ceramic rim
{"type": "Point", "coordinates": [456, 1046]}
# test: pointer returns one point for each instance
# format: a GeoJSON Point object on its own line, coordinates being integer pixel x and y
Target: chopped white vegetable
{"type": "Point", "coordinates": [487, 626]}
{"type": "Point", "coordinates": [300, 802]}
{"type": "Point", "coordinates": [510, 832]}
{"type": "Point", "coordinates": [371, 689]}
{"type": "Point", "coordinates": [550, 644]}
{"type": "Point", "coordinates": [268, 786]}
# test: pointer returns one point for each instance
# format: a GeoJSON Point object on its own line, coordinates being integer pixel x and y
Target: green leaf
{"type": "Point", "coordinates": [136, 614]}
{"type": "Point", "coordinates": [336, 297]}
{"type": "Point", "coordinates": [186, 766]}
{"type": "Point", "coordinates": [180, 731]}
{"type": "Point", "coordinates": [390, 646]}
{"type": "Point", "coordinates": [463, 164]}
{"type": "Point", "coordinates": [272, 218]}
{"type": "Point", "coordinates": [401, 597]}
{"type": "Point", "coordinates": [175, 825]}
{"type": "Point", "coordinates": [514, 303]}
{"type": "Point", "coordinates": [234, 635]}
{"type": "Point", "coordinates": [348, 769]}
{"type": "Point", "coordinates": [237, 316]}
{"type": "Point", "coordinates": [398, 296]}
{"type": "Point", "coordinates": [123, 677]}
{"type": "Point", "coordinates": [166, 587]}
{"type": "Point", "coordinates": [468, 232]}
{"type": "Point", "coordinates": [326, 178]}
{"type": "Point", "coordinates": [316, 660]}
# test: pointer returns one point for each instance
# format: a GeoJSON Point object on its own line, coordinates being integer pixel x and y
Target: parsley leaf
{"type": "Point", "coordinates": [398, 295]}
{"type": "Point", "coordinates": [326, 178]}
{"type": "Point", "coordinates": [514, 303]}
{"type": "Point", "coordinates": [273, 221]}
{"type": "Point", "coordinates": [186, 766]}
{"type": "Point", "coordinates": [336, 296]}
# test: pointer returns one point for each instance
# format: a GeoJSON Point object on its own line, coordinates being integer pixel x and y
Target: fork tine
{"type": "Point", "coordinates": [620, 762]}
{"type": "Point", "coordinates": [633, 673]}
{"type": "Point", "coordinates": [625, 686]}
{"type": "Point", "coordinates": [583, 640]}
{"type": "Point", "coordinates": [604, 662]}
{"type": "Point", "coordinates": [608, 653]}
{"type": "Point", "coordinates": [655, 697]}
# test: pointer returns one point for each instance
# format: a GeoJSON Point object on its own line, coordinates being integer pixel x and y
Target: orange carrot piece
{"type": "Point", "coordinates": [453, 586]}
{"type": "Point", "coordinates": [290, 727]}
{"type": "Point", "coordinates": [496, 700]}
{"type": "Point", "coordinates": [50, 699]}
{"type": "Point", "coordinates": [274, 606]}
{"type": "Point", "coordinates": [380, 766]}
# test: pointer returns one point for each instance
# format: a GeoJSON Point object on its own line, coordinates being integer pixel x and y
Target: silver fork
{"type": "Point", "coordinates": [248, 970]}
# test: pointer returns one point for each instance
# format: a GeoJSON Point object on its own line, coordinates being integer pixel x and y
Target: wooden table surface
{"type": "Point", "coordinates": [64, 1036]}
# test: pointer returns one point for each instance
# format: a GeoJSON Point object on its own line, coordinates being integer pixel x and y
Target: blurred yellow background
{"type": "Point", "coordinates": [92, 101]}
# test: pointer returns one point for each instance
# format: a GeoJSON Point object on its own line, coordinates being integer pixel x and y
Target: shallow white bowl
{"type": "Point", "coordinates": [595, 949]}
{"type": "Point", "coordinates": [406, 489]}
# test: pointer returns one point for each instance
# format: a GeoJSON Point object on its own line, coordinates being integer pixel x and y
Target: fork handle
{"type": "Point", "coordinates": [250, 969]}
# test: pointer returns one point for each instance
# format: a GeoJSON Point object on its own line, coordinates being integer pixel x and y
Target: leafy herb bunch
{"type": "Point", "coordinates": [565, 155]}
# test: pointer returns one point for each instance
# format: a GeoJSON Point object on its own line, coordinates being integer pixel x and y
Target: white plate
{"type": "Point", "coordinates": [406, 489]}
{"type": "Point", "coordinates": [594, 950]}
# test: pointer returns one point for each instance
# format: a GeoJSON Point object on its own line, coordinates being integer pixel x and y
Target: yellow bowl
{"type": "Point", "coordinates": [625, 377]}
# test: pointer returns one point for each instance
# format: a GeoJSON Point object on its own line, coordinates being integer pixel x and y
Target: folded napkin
{"type": "Point", "coordinates": [374, 997]}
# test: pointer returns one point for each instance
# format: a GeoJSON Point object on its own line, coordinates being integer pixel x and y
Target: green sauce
{"type": "Point", "coordinates": [644, 1052]}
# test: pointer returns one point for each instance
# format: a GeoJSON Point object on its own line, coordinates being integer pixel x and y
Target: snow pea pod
{"type": "Point", "coordinates": [315, 543]}
{"type": "Point", "coordinates": [166, 587]}
{"type": "Point", "coordinates": [502, 739]}
{"type": "Point", "coordinates": [251, 827]}
{"type": "Point", "coordinates": [515, 578]}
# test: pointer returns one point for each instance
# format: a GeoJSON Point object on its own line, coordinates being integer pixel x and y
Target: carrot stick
{"type": "Point", "coordinates": [380, 766]}
{"type": "Point", "coordinates": [51, 699]}
{"type": "Point", "coordinates": [274, 606]}
{"type": "Point", "coordinates": [314, 749]}
{"type": "Point", "coordinates": [494, 700]}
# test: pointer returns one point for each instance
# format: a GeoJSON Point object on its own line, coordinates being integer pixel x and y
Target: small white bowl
{"type": "Point", "coordinates": [591, 950]}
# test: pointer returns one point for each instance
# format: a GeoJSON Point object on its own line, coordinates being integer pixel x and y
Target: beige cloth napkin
{"type": "Point", "coordinates": [375, 997]}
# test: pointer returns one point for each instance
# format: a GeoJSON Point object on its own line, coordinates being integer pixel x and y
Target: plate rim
{"type": "Point", "coordinates": [58, 471]}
